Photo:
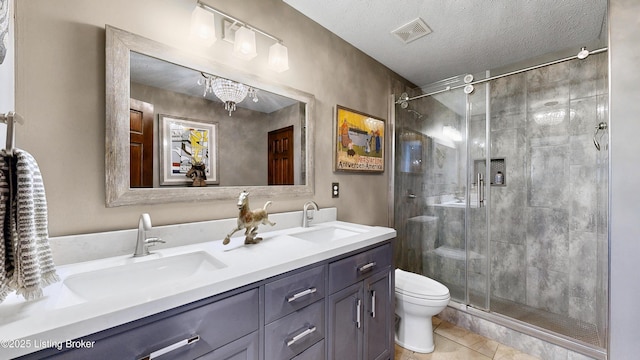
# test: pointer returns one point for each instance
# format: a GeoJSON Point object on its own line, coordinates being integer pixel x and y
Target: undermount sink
{"type": "Point", "coordinates": [137, 275]}
{"type": "Point", "coordinates": [326, 234]}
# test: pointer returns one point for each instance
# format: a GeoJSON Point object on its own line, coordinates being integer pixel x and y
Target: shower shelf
{"type": "Point", "coordinates": [497, 165]}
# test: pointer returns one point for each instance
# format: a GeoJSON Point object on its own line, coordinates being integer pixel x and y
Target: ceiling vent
{"type": "Point", "coordinates": [412, 31]}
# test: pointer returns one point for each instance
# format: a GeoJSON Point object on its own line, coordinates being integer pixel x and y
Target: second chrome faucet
{"type": "Point", "coordinates": [306, 215]}
{"type": "Point", "coordinates": [143, 242]}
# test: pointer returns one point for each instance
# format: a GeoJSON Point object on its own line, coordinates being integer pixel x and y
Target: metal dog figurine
{"type": "Point", "coordinates": [249, 220]}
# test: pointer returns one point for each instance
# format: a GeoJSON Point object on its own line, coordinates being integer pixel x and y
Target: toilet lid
{"type": "Point", "coordinates": [419, 286]}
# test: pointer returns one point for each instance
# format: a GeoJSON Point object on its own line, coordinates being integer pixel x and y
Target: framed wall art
{"type": "Point", "coordinates": [186, 142]}
{"type": "Point", "coordinates": [359, 142]}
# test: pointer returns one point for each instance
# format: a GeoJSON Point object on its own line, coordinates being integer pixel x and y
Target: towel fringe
{"type": "Point", "coordinates": [35, 292]}
{"type": "Point", "coordinates": [4, 293]}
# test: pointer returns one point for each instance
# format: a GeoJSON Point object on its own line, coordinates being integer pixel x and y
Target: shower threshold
{"type": "Point", "coordinates": [558, 323]}
{"type": "Point", "coordinates": [557, 329]}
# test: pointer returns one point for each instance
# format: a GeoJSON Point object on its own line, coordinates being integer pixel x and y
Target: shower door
{"type": "Point", "coordinates": [501, 195]}
{"type": "Point", "coordinates": [441, 182]}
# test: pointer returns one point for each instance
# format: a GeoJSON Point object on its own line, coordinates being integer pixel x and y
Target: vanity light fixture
{"type": "Point", "coordinates": [244, 44]}
{"type": "Point", "coordinates": [278, 57]}
{"type": "Point", "coordinates": [203, 30]}
{"type": "Point", "coordinates": [244, 41]}
{"type": "Point", "coordinates": [228, 91]}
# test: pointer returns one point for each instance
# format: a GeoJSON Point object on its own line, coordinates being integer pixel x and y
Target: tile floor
{"type": "Point", "coordinates": [456, 343]}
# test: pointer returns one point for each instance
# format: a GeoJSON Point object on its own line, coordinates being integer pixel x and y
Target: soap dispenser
{"type": "Point", "coordinates": [499, 179]}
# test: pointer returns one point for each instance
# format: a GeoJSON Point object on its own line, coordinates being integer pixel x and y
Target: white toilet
{"type": "Point", "coordinates": [418, 298]}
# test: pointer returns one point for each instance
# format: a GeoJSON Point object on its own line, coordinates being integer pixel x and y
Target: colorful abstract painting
{"type": "Point", "coordinates": [359, 142]}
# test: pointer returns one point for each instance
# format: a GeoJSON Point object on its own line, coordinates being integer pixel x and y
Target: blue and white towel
{"type": "Point", "coordinates": [26, 259]}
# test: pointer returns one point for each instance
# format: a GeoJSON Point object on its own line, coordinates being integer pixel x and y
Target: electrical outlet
{"type": "Point", "coordinates": [335, 190]}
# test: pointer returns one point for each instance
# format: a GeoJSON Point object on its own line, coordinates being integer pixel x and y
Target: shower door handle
{"type": "Point", "coordinates": [480, 185]}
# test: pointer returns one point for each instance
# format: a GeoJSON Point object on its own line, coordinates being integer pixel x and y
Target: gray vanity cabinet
{"type": "Point", "coordinates": [223, 330]}
{"type": "Point", "coordinates": [378, 319]}
{"type": "Point", "coordinates": [360, 312]}
{"type": "Point", "coordinates": [337, 309]}
{"type": "Point", "coordinates": [294, 315]}
{"type": "Point", "coordinates": [245, 348]}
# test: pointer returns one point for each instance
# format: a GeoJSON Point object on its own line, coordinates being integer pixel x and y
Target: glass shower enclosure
{"type": "Point", "coordinates": [500, 193]}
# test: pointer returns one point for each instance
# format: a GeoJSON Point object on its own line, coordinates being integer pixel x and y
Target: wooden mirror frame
{"type": "Point", "coordinates": [119, 44]}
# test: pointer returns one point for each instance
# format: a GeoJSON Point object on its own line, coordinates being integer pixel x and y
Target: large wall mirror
{"type": "Point", "coordinates": [162, 123]}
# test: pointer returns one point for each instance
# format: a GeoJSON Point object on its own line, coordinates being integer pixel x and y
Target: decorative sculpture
{"type": "Point", "coordinates": [249, 220]}
{"type": "Point", "coordinates": [198, 174]}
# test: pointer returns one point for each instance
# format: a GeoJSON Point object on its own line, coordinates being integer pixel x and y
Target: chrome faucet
{"type": "Point", "coordinates": [306, 215]}
{"type": "Point", "coordinates": [143, 243]}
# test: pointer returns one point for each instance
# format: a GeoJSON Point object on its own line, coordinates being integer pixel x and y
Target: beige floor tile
{"type": "Point", "coordinates": [435, 321]}
{"type": "Point", "coordinates": [508, 353]}
{"type": "Point", "coordinates": [447, 350]}
{"type": "Point", "coordinates": [402, 353]}
{"type": "Point", "coordinates": [467, 338]}
{"type": "Point", "coordinates": [486, 347]}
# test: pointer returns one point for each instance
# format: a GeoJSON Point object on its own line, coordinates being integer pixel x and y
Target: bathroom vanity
{"type": "Point", "coordinates": [322, 292]}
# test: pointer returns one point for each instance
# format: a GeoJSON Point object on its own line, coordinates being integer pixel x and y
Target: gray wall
{"type": "Point", "coordinates": [7, 78]}
{"type": "Point", "coordinates": [624, 54]}
{"type": "Point", "coordinates": [61, 92]}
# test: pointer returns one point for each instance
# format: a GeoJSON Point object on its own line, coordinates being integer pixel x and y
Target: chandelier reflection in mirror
{"type": "Point", "coordinates": [228, 91]}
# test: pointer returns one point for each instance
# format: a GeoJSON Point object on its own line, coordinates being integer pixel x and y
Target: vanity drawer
{"type": "Point", "coordinates": [294, 333]}
{"type": "Point", "coordinates": [316, 352]}
{"type": "Point", "coordinates": [201, 330]}
{"type": "Point", "coordinates": [345, 272]}
{"type": "Point", "coordinates": [293, 292]}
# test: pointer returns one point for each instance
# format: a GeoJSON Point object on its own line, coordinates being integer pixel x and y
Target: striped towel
{"type": "Point", "coordinates": [28, 262]}
{"type": "Point", "coordinates": [6, 246]}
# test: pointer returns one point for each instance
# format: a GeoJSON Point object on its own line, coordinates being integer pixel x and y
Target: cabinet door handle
{"type": "Point", "coordinates": [373, 303]}
{"type": "Point", "coordinates": [304, 293]}
{"type": "Point", "coordinates": [367, 267]}
{"type": "Point", "coordinates": [171, 347]}
{"type": "Point", "coordinates": [306, 332]}
{"type": "Point", "coordinates": [358, 310]}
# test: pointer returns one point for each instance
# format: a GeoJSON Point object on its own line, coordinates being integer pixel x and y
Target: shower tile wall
{"type": "Point", "coordinates": [544, 223]}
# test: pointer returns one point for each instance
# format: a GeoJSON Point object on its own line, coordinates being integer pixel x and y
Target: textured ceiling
{"type": "Point", "coordinates": [468, 36]}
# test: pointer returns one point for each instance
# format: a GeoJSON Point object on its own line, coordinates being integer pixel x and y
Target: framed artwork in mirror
{"type": "Point", "coordinates": [185, 143]}
{"type": "Point", "coordinates": [359, 143]}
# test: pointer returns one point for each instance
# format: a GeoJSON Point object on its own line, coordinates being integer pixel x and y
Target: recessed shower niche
{"type": "Point", "coordinates": [497, 171]}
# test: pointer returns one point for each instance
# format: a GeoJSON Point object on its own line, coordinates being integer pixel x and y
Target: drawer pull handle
{"type": "Point", "coordinates": [301, 294]}
{"type": "Point", "coordinates": [358, 310]}
{"type": "Point", "coordinates": [367, 267]}
{"type": "Point", "coordinates": [296, 338]}
{"type": "Point", "coordinates": [171, 347]}
{"type": "Point", "coordinates": [373, 303]}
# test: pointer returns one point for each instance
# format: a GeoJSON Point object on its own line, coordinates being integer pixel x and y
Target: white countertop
{"type": "Point", "coordinates": [61, 315]}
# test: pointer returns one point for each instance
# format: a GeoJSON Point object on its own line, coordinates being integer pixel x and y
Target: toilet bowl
{"type": "Point", "coordinates": [418, 298]}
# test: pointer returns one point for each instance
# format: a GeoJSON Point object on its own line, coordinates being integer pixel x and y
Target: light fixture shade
{"type": "Point", "coordinates": [278, 57]}
{"type": "Point", "coordinates": [244, 45]}
{"type": "Point", "coordinates": [203, 28]}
